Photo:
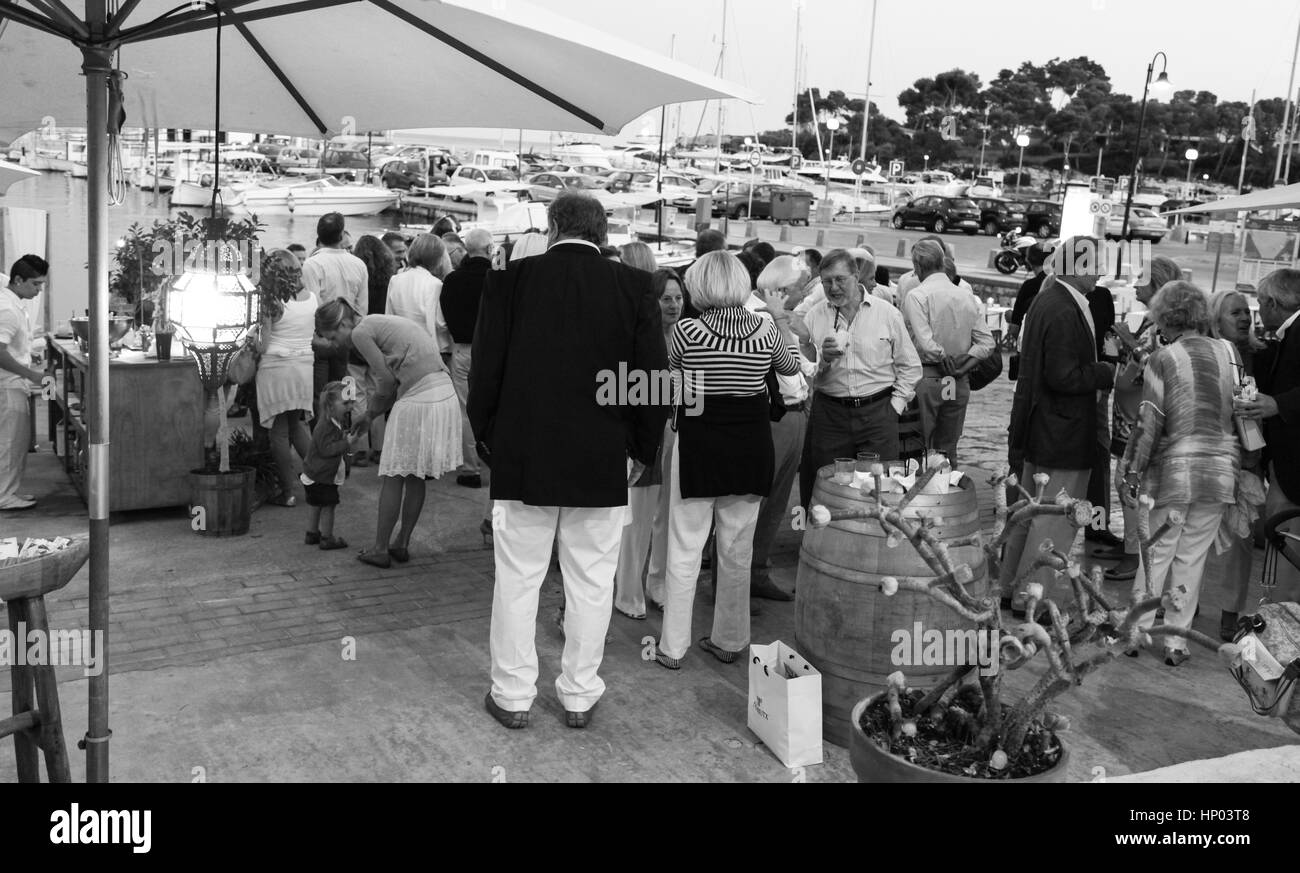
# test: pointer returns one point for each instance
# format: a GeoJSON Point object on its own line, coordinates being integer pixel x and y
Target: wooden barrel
{"type": "Point", "coordinates": [221, 504]}
{"type": "Point", "coordinates": [844, 624]}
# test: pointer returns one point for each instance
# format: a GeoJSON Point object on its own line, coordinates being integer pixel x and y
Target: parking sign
{"type": "Point", "coordinates": [895, 168]}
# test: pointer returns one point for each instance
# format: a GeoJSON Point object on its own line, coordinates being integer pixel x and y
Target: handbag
{"type": "Point", "coordinates": [243, 364]}
{"type": "Point", "coordinates": [986, 371]}
{"type": "Point", "coordinates": [775, 402]}
{"type": "Point", "coordinates": [1013, 367]}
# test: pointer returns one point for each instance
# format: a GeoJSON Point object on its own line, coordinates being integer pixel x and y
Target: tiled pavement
{"type": "Point", "coordinates": [231, 648]}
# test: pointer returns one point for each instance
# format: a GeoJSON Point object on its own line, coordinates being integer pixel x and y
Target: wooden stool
{"type": "Point", "coordinates": [37, 723]}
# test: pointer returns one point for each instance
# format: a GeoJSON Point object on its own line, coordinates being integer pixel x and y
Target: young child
{"type": "Point", "coordinates": [323, 468]}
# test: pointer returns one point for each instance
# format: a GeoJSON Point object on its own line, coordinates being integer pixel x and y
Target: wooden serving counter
{"type": "Point", "coordinates": [155, 424]}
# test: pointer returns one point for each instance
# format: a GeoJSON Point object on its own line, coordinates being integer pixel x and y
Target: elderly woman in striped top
{"type": "Point", "coordinates": [722, 462]}
{"type": "Point", "coordinates": [1184, 450]}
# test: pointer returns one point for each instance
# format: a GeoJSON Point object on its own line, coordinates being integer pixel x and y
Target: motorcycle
{"type": "Point", "coordinates": [1015, 250]}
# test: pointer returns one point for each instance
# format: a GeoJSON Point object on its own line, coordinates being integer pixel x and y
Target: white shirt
{"type": "Point", "coordinates": [331, 273]}
{"type": "Point", "coordinates": [16, 335]}
{"type": "Point", "coordinates": [880, 353]}
{"type": "Point", "coordinates": [946, 321]}
{"type": "Point", "coordinates": [416, 294]}
{"type": "Point", "coordinates": [794, 389]}
{"type": "Point", "coordinates": [1286, 325]}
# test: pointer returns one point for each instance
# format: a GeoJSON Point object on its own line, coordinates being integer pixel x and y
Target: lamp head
{"type": "Point", "coordinates": [1161, 87]}
{"type": "Point", "coordinates": [1023, 140]}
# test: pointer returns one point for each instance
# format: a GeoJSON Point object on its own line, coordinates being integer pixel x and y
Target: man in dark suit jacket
{"type": "Point", "coordinates": [1054, 415]}
{"type": "Point", "coordinates": [562, 341]}
{"type": "Point", "coordinates": [1277, 371]}
{"type": "Point", "coordinates": [461, 291]}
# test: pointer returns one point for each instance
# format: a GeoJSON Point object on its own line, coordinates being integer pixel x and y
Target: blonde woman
{"type": "Point", "coordinates": [722, 462]}
{"type": "Point", "coordinates": [1231, 320]}
{"type": "Point", "coordinates": [639, 255]}
{"type": "Point", "coordinates": [414, 293]}
{"type": "Point", "coordinates": [1184, 450]}
{"type": "Point", "coordinates": [529, 244]}
{"type": "Point", "coordinates": [423, 437]}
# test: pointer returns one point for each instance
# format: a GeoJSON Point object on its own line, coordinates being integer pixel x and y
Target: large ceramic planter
{"type": "Point", "coordinates": [874, 764]}
{"type": "Point", "coordinates": [226, 501]}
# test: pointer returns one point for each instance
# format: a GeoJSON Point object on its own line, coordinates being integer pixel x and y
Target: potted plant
{"type": "Point", "coordinates": [961, 730]}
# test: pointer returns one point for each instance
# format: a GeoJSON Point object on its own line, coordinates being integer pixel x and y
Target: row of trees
{"type": "Point", "coordinates": [1070, 113]}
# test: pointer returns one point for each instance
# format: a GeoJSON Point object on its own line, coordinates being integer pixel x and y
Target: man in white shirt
{"type": "Point", "coordinates": [26, 280]}
{"type": "Point", "coordinates": [948, 327]}
{"type": "Point", "coordinates": [867, 371]}
{"type": "Point", "coordinates": [910, 280]}
{"type": "Point", "coordinates": [785, 275]}
{"type": "Point", "coordinates": [332, 271]}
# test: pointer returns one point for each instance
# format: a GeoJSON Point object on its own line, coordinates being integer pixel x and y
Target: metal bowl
{"type": "Point", "coordinates": [118, 326]}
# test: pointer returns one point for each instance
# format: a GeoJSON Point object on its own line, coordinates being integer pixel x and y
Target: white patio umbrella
{"type": "Point", "coordinates": [1282, 197]}
{"type": "Point", "coordinates": [11, 173]}
{"type": "Point", "coordinates": [310, 67]}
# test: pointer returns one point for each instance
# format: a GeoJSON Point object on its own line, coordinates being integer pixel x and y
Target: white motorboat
{"type": "Point", "coordinates": [314, 197]}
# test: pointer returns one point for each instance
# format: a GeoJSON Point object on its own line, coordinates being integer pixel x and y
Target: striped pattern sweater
{"type": "Point", "coordinates": [1185, 442]}
{"type": "Point", "coordinates": [728, 352]}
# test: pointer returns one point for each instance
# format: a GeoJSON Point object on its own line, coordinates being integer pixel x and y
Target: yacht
{"type": "Point", "coordinates": [312, 197]}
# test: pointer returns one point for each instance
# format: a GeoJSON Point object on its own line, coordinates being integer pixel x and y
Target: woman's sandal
{"type": "Point", "coordinates": [328, 544]}
{"type": "Point", "coordinates": [721, 654]}
{"type": "Point", "coordinates": [312, 538]}
{"type": "Point", "coordinates": [631, 615]}
{"type": "Point", "coordinates": [283, 500]}
{"type": "Point", "coordinates": [665, 661]}
{"type": "Point", "coordinates": [399, 554]}
{"type": "Point", "coordinates": [381, 560]}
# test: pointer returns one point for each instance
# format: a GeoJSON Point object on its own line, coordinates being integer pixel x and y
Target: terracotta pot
{"type": "Point", "coordinates": [874, 764]}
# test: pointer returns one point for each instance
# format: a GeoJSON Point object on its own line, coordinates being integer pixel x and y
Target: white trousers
{"type": "Point", "coordinates": [643, 503]}
{"type": "Point", "coordinates": [657, 572]}
{"type": "Point", "coordinates": [588, 546]}
{"type": "Point", "coordinates": [1182, 552]}
{"type": "Point", "coordinates": [15, 440]}
{"type": "Point", "coordinates": [688, 531]}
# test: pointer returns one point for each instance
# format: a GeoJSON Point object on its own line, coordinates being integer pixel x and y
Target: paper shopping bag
{"type": "Point", "coordinates": [785, 704]}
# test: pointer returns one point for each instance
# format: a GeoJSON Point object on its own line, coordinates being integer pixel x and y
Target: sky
{"type": "Point", "coordinates": [1225, 47]}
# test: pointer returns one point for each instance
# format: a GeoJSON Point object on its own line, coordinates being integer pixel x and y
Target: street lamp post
{"type": "Point", "coordinates": [1162, 85]}
{"type": "Point", "coordinates": [1022, 140]}
{"type": "Point", "coordinates": [1191, 155]}
{"type": "Point", "coordinates": [832, 125]}
{"type": "Point", "coordinates": [927, 163]}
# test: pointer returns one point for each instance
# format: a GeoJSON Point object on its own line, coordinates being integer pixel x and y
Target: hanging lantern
{"type": "Point", "coordinates": [213, 304]}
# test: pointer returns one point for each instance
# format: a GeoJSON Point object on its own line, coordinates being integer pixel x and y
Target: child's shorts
{"type": "Point", "coordinates": [322, 495]}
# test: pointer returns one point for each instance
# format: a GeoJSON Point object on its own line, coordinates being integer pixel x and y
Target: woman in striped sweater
{"type": "Point", "coordinates": [1184, 450]}
{"type": "Point", "coordinates": [722, 462]}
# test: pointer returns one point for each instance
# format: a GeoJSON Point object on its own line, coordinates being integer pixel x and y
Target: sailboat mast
{"type": "Point", "coordinates": [866, 109]}
{"type": "Point", "coordinates": [722, 66]}
{"type": "Point", "coordinates": [798, 38]}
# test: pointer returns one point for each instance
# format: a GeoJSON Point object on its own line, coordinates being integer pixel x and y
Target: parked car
{"type": "Point", "coordinates": [1143, 223]}
{"type": "Point", "coordinates": [297, 159]}
{"type": "Point", "coordinates": [348, 163]}
{"type": "Point", "coordinates": [470, 175]}
{"type": "Point", "coordinates": [622, 181]}
{"type": "Point", "coordinates": [546, 186]}
{"type": "Point", "coordinates": [1043, 218]}
{"type": "Point", "coordinates": [409, 170]}
{"type": "Point", "coordinates": [270, 149]}
{"type": "Point", "coordinates": [999, 216]}
{"type": "Point", "coordinates": [939, 214]}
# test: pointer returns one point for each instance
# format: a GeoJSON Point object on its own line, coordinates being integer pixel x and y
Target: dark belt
{"type": "Point", "coordinates": [801, 406]}
{"type": "Point", "coordinates": [859, 401]}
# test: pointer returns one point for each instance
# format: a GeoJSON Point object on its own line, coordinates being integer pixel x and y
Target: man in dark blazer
{"type": "Point", "coordinates": [562, 341]}
{"type": "Point", "coordinates": [1277, 371]}
{"type": "Point", "coordinates": [1054, 415]}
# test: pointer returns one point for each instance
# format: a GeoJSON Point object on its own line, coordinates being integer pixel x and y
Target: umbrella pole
{"type": "Point", "coordinates": [97, 62]}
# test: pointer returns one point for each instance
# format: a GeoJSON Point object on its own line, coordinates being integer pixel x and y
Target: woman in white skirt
{"type": "Point", "coordinates": [284, 374]}
{"type": "Point", "coordinates": [422, 439]}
